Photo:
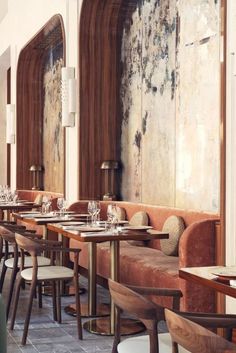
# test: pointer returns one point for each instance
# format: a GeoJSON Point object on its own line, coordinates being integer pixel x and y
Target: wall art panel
{"type": "Point", "coordinates": [170, 99]}
{"type": "Point", "coordinates": [53, 134]}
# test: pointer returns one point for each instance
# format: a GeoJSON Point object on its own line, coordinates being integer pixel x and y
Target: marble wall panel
{"type": "Point", "coordinates": [131, 95]}
{"type": "Point", "coordinates": [198, 97]}
{"type": "Point", "coordinates": [170, 97]}
{"type": "Point", "coordinates": [53, 134]}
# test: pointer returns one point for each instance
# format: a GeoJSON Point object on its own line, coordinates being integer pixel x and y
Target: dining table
{"type": "Point", "coordinates": [21, 205]}
{"type": "Point", "coordinates": [106, 325]}
{"type": "Point", "coordinates": [219, 278]}
{"type": "Point", "coordinates": [36, 218]}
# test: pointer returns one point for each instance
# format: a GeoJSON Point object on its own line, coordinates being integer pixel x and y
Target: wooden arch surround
{"type": "Point", "coordinates": [32, 139]}
{"type": "Point", "coordinates": [101, 29]}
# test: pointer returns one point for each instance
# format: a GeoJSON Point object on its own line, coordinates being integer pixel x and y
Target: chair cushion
{"type": "Point", "coordinates": [42, 261]}
{"type": "Point", "coordinates": [141, 344]}
{"type": "Point", "coordinates": [48, 273]}
{"type": "Point", "coordinates": [138, 219]}
{"type": "Point", "coordinates": [175, 226]}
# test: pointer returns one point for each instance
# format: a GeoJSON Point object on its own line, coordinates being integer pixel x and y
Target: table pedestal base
{"type": "Point", "coordinates": [102, 310]}
{"type": "Point", "coordinates": [102, 326]}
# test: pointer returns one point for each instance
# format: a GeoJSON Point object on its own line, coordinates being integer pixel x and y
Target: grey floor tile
{"type": "Point", "coordinates": [47, 336]}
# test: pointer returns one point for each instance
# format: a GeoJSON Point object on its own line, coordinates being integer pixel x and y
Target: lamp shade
{"type": "Point", "coordinates": [68, 96]}
{"type": "Point", "coordinates": [10, 123]}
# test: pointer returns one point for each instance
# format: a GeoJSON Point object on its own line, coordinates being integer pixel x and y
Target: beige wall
{"type": "Point", "coordinates": [5, 64]}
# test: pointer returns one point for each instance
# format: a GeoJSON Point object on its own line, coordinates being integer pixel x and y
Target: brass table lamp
{"type": "Point", "coordinates": [109, 167]}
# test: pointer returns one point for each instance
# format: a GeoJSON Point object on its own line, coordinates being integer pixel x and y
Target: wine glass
{"type": "Point", "coordinates": [92, 210]}
{"type": "Point", "coordinates": [60, 205]}
{"type": "Point", "coordinates": [44, 204]}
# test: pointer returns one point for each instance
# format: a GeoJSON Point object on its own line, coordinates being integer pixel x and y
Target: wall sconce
{"type": "Point", "coordinates": [10, 123]}
{"type": "Point", "coordinates": [109, 167]}
{"type": "Point", "coordinates": [68, 96]}
{"type": "Point", "coordinates": [36, 170]}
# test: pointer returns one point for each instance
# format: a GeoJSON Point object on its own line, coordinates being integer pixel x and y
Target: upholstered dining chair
{"type": "Point", "coordinates": [194, 337]}
{"type": "Point", "coordinates": [48, 274]}
{"type": "Point", "coordinates": [133, 300]}
{"type": "Point", "coordinates": [13, 263]}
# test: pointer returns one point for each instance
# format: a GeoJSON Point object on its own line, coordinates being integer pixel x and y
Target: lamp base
{"type": "Point", "coordinates": [109, 197]}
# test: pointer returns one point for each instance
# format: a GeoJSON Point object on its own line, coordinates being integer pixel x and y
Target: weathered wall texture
{"type": "Point", "coordinates": [170, 98]}
{"type": "Point", "coordinates": [53, 135]}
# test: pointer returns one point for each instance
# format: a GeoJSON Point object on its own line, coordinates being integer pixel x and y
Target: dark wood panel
{"type": "Point", "coordinates": [101, 28]}
{"type": "Point", "coordinates": [30, 98]}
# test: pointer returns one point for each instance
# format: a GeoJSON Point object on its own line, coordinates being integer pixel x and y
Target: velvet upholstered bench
{"type": "Point", "coordinates": [146, 264]}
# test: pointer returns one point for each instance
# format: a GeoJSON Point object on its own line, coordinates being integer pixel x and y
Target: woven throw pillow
{"type": "Point", "coordinates": [120, 213]}
{"type": "Point", "coordinates": [138, 219]}
{"type": "Point", "coordinates": [38, 199]}
{"type": "Point", "coordinates": [175, 226]}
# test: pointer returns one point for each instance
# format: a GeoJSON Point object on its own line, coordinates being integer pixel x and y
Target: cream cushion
{"type": "Point", "coordinates": [138, 219]}
{"type": "Point", "coordinates": [141, 344]}
{"type": "Point", "coordinates": [42, 261]}
{"type": "Point", "coordinates": [174, 225]}
{"type": "Point", "coordinates": [48, 272]}
{"type": "Point", "coordinates": [38, 199]}
{"type": "Point", "coordinates": [119, 213]}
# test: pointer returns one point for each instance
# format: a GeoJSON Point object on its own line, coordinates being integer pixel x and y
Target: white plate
{"type": "Point", "coordinates": [227, 272]}
{"type": "Point", "coordinates": [137, 227]}
{"type": "Point", "coordinates": [29, 212]}
{"type": "Point", "coordinates": [84, 228]}
{"type": "Point", "coordinates": [72, 223]}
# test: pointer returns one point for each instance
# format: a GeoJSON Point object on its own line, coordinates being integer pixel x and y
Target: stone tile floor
{"type": "Point", "coordinates": [46, 336]}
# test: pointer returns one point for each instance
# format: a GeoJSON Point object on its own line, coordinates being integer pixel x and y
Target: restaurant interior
{"type": "Point", "coordinates": [118, 176]}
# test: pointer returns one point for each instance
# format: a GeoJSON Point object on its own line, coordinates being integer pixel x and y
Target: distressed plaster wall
{"type": "Point", "coordinates": [170, 99]}
{"type": "Point", "coordinates": [53, 134]}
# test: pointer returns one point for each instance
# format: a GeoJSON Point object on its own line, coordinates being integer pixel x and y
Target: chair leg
{"type": "Point", "coordinates": [15, 303]}
{"type": "Point", "coordinates": [54, 301]}
{"type": "Point", "coordinates": [40, 295]}
{"type": "Point", "coordinates": [78, 313]}
{"type": "Point", "coordinates": [58, 302]}
{"type": "Point", "coordinates": [3, 274]}
{"type": "Point", "coordinates": [28, 312]}
{"type": "Point", "coordinates": [12, 283]}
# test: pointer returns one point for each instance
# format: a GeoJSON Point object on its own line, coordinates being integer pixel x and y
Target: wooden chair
{"type": "Point", "coordinates": [51, 274]}
{"type": "Point", "coordinates": [132, 299]}
{"type": "Point", "coordinates": [13, 263]}
{"type": "Point", "coordinates": [194, 337]}
{"type": "Point", "coordinates": [5, 250]}
{"type": "Point", "coordinates": [149, 313]}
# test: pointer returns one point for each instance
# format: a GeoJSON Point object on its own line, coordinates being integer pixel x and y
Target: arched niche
{"type": "Point", "coordinates": [100, 34]}
{"type": "Point", "coordinates": [40, 137]}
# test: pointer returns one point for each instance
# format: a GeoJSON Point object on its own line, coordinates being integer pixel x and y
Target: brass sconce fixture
{"type": "Point", "coordinates": [109, 168]}
{"type": "Point", "coordinates": [36, 170]}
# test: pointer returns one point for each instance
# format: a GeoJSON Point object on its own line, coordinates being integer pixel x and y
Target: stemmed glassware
{"type": "Point", "coordinates": [61, 205]}
{"type": "Point", "coordinates": [93, 211]}
{"type": "Point", "coordinates": [112, 216]}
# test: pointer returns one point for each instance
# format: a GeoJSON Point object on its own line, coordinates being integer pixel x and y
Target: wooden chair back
{"type": "Point", "coordinates": [132, 302]}
{"type": "Point", "coordinates": [28, 244]}
{"type": "Point", "coordinates": [194, 337]}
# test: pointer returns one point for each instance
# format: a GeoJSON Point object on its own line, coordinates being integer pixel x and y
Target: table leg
{"type": "Point", "coordinates": [106, 326]}
{"type": "Point", "coordinates": [90, 309]}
